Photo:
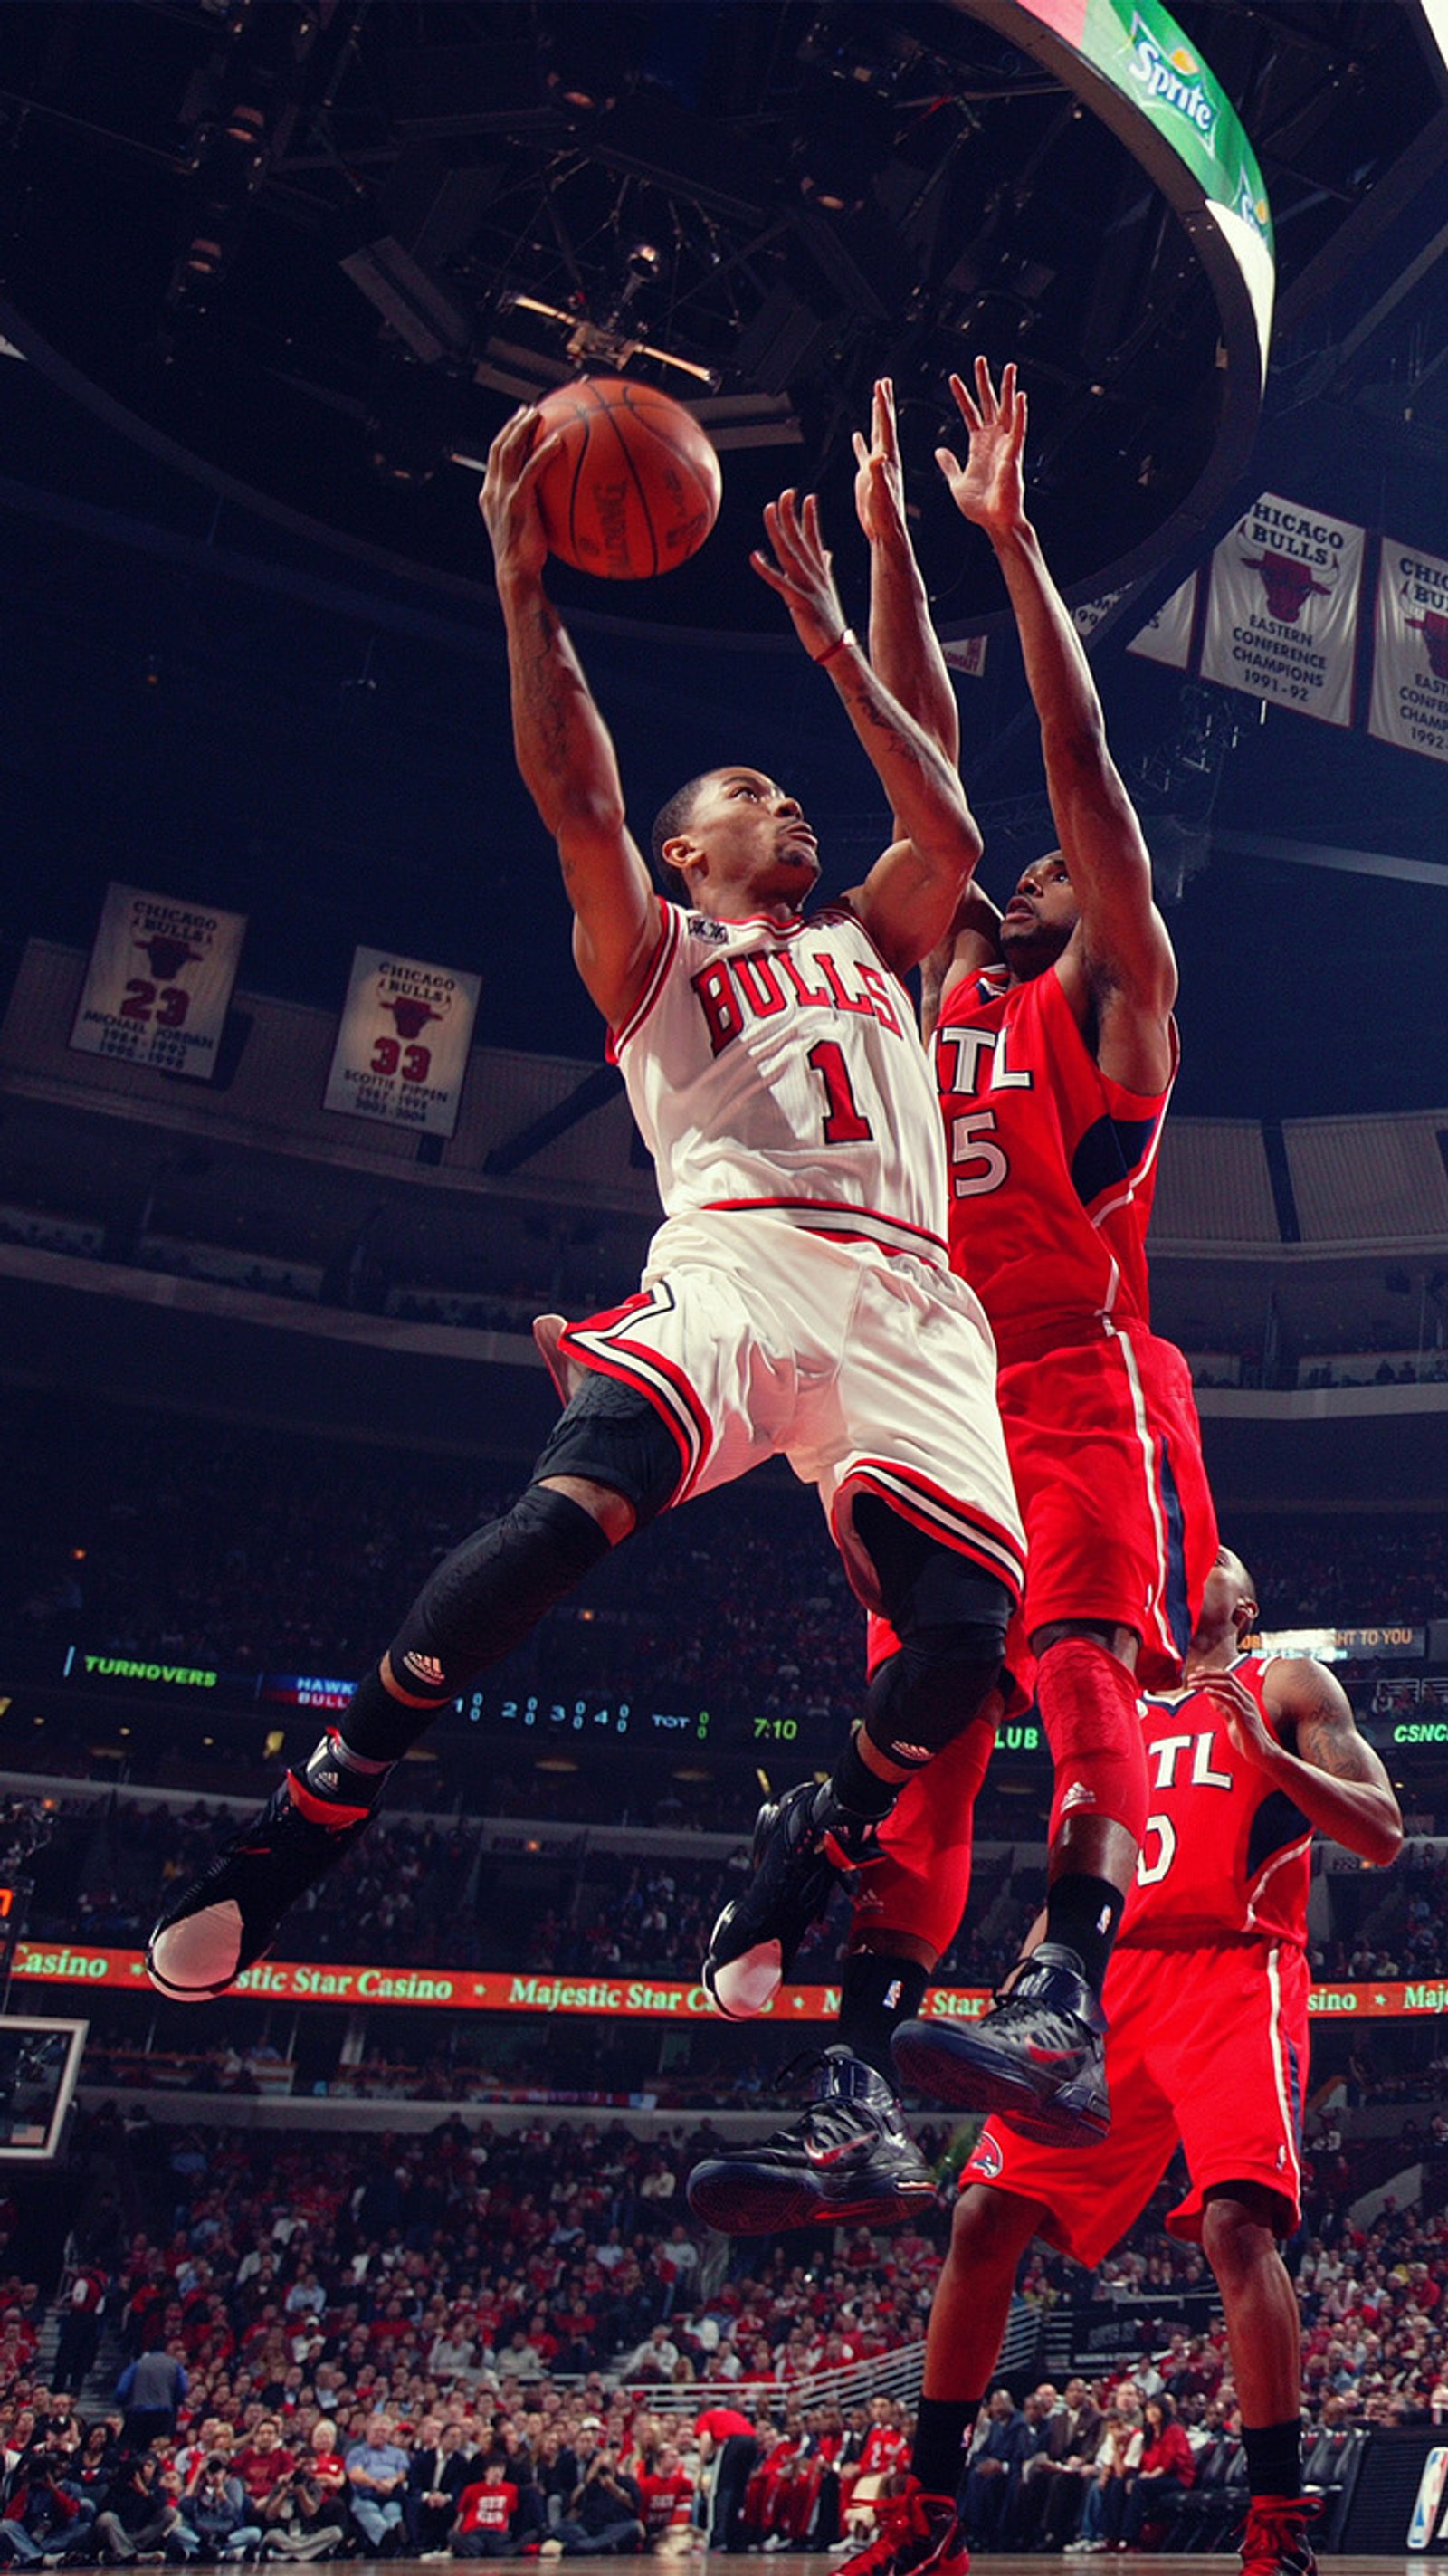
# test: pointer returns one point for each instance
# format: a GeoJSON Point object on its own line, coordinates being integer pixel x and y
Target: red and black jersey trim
{"type": "Point", "coordinates": [668, 943]}
{"type": "Point", "coordinates": [959, 1525]}
{"type": "Point", "coordinates": [609, 1342]}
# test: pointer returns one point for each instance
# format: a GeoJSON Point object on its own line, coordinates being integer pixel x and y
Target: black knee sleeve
{"type": "Point", "coordinates": [486, 1597]}
{"type": "Point", "coordinates": [951, 1621]}
{"type": "Point", "coordinates": [922, 1698]}
{"type": "Point", "coordinates": [479, 1604]}
{"type": "Point", "coordinates": [613, 1436]}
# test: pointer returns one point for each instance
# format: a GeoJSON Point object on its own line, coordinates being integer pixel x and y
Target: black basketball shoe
{"type": "Point", "coordinates": [1038, 2056]}
{"type": "Point", "coordinates": [851, 2157]}
{"type": "Point", "coordinates": [798, 1840]}
{"type": "Point", "coordinates": [918, 2535]}
{"type": "Point", "coordinates": [228, 1918]}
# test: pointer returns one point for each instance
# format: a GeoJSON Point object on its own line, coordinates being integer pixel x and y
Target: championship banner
{"type": "Point", "coordinates": [1088, 616]}
{"type": "Point", "coordinates": [1167, 637]}
{"type": "Point", "coordinates": [633, 1998]}
{"type": "Point", "coordinates": [1410, 652]}
{"type": "Point", "coordinates": [159, 983]}
{"type": "Point", "coordinates": [1282, 609]}
{"type": "Point", "coordinates": [402, 1048]}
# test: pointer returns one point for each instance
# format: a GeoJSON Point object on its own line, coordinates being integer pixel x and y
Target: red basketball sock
{"type": "Point", "coordinates": [1091, 1710]}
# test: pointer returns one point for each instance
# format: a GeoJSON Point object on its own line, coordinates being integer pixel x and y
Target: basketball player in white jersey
{"type": "Point", "coordinates": [796, 1300]}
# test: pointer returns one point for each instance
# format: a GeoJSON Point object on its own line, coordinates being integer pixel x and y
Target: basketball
{"type": "Point", "coordinates": [634, 487]}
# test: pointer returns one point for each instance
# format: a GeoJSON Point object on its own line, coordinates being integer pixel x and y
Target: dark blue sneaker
{"type": "Point", "coordinates": [850, 2159]}
{"type": "Point", "coordinates": [1038, 2057]}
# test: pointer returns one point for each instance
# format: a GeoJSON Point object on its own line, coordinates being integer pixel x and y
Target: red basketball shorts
{"type": "Point", "coordinates": [1105, 1450]}
{"type": "Point", "coordinates": [1208, 2048]}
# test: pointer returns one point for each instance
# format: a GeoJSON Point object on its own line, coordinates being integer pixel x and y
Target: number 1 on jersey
{"type": "Point", "coordinates": [843, 1122]}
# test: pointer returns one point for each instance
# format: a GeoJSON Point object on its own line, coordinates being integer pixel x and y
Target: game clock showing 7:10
{"type": "Point", "coordinates": [814, 1735]}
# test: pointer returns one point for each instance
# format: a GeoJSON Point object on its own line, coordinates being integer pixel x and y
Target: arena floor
{"type": "Point", "coordinates": [1143, 2562]}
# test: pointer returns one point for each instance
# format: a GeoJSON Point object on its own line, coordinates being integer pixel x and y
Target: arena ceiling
{"type": "Point", "coordinates": [204, 697]}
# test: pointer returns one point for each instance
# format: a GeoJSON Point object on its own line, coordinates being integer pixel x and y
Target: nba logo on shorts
{"type": "Point", "coordinates": [1430, 2496]}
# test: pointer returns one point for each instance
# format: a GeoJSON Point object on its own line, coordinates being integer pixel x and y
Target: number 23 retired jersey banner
{"type": "Point", "coordinates": [1282, 610]}
{"type": "Point", "coordinates": [402, 1048]}
{"type": "Point", "coordinates": [159, 982]}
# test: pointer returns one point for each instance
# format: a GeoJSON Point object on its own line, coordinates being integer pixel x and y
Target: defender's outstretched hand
{"type": "Point", "coordinates": [880, 479]}
{"type": "Point", "coordinates": [801, 573]}
{"type": "Point", "coordinates": [509, 497]}
{"type": "Point", "coordinates": [990, 487]}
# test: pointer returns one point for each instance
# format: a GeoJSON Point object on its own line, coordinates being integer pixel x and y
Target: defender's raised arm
{"type": "Point", "coordinates": [910, 895]}
{"type": "Point", "coordinates": [1123, 947]}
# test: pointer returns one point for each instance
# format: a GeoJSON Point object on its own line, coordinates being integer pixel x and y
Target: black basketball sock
{"type": "Point", "coordinates": [942, 2429]}
{"type": "Point", "coordinates": [877, 1993]}
{"type": "Point", "coordinates": [864, 1796]}
{"type": "Point", "coordinates": [1274, 2458]}
{"type": "Point", "coordinates": [336, 1786]}
{"type": "Point", "coordinates": [1082, 1914]}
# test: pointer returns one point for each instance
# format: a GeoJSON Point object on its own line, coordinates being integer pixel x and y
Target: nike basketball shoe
{"type": "Point", "coordinates": [1038, 2057]}
{"type": "Point", "coordinates": [850, 2159]}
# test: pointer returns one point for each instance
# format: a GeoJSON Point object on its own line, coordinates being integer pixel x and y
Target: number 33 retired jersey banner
{"type": "Point", "coordinates": [159, 983]}
{"type": "Point", "coordinates": [402, 1048]}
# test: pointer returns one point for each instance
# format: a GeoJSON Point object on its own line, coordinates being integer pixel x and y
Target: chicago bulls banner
{"type": "Point", "coordinates": [1282, 609]}
{"type": "Point", "coordinates": [402, 1048]}
{"type": "Point", "coordinates": [159, 982]}
{"type": "Point", "coordinates": [1167, 637]}
{"type": "Point", "coordinates": [1410, 658]}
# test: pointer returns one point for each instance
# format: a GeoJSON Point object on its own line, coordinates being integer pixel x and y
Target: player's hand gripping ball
{"type": "Point", "coordinates": [632, 486]}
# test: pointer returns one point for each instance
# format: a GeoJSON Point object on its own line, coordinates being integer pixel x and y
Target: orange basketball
{"type": "Point", "coordinates": [634, 486]}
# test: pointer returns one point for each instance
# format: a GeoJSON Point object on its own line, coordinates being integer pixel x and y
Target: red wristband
{"type": "Point", "coordinates": [846, 636]}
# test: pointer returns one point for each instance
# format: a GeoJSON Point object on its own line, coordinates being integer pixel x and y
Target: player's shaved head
{"type": "Point", "coordinates": [1238, 1572]}
{"type": "Point", "coordinates": [671, 819]}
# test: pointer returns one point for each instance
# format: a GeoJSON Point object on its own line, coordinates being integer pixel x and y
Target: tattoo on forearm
{"type": "Point", "coordinates": [1327, 1746]}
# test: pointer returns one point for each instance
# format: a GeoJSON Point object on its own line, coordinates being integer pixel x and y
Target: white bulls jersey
{"type": "Point", "coordinates": [780, 1068]}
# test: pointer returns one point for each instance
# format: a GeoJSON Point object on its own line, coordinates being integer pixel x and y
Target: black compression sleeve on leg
{"type": "Point", "coordinates": [951, 1620]}
{"type": "Point", "coordinates": [479, 1604]}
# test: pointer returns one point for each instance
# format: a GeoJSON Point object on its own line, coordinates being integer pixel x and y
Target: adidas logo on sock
{"type": "Point", "coordinates": [424, 1668]}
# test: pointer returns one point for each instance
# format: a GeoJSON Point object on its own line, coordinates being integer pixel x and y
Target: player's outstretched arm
{"type": "Point", "coordinates": [905, 651]}
{"type": "Point", "coordinates": [1334, 1777]}
{"type": "Point", "coordinates": [564, 749]}
{"type": "Point", "coordinates": [909, 898]}
{"type": "Point", "coordinates": [1123, 937]}
{"type": "Point", "coordinates": [904, 647]}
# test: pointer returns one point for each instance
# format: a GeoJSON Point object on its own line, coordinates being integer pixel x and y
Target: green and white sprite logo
{"type": "Point", "coordinates": [1172, 80]}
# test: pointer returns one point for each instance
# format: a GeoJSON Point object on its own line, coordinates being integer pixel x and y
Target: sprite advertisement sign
{"type": "Point", "coordinates": [1138, 49]}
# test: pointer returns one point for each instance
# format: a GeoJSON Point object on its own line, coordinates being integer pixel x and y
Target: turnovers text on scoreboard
{"type": "Point", "coordinates": [1402, 1716]}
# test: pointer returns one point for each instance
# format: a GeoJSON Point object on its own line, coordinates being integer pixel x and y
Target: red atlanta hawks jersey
{"type": "Point", "coordinates": [1052, 1165]}
{"type": "Point", "coordinates": [781, 1068]}
{"type": "Point", "coordinates": [1223, 1852]}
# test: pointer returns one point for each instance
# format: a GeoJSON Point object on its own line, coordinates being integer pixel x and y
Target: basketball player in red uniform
{"type": "Point", "coordinates": [1055, 1052]}
{"type": "Point", "coordinates": [797, 1300]}
{"type": "Point", "coordinates": [1209, 1975]}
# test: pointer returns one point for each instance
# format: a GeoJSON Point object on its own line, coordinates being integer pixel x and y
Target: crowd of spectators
{"type": "Point", "coordinates": [478, 2344]}
{"type": "Point", "coordinates": [242, 1549]}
